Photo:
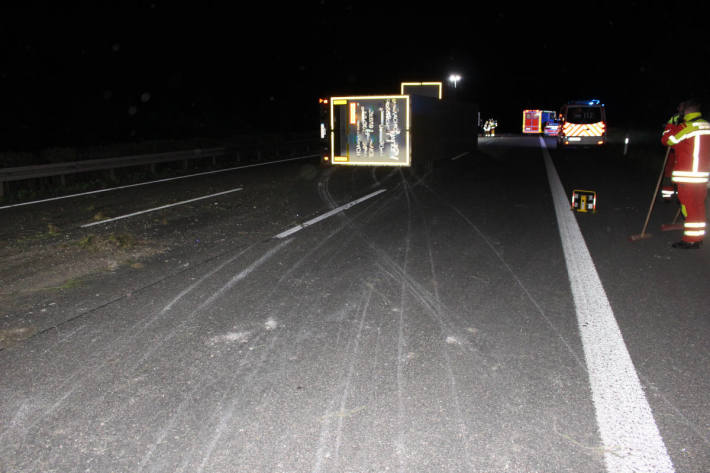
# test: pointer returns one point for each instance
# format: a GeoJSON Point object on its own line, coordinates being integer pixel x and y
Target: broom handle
{"type": "Point", "coordinates": [655, 193]}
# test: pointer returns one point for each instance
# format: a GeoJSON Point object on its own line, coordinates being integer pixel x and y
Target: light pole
{"type": "Point", "coordinates": [454, 78]}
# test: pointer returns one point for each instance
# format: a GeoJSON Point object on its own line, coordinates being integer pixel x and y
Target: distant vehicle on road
{"type": "Point", "coordinates": [534, 120]}
{"type": "Point", "coordinates": [583, 123]}
{"type": "Point", "coordinates": [552, 128]}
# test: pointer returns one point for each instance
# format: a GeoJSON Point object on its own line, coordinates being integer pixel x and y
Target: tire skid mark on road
{"type": "Point", "coordinates": [227, 416]}
{"type": "Point", "coordinates": [282, 350]}
{"type": "Point", "coordinates": [176, 414]}
{"type": "Point", "coordinates": [358, 233]}
{"type": "Point", "coordinates": [76, 380]}
{"type": "Point", "coordinates": [427, 301]}
{"type": "Point", "coordinates": [452, 322]}
{"type": "Point", "coordinates": [197, 283]}
{"type": "Point", "coordinates": [210, 300]}
{"type": "Point", "coordinates": [222, 417]}
{"type": "Point", "coordinates": [439, 315]}
{"type": "Point", "coordinates": [369, 213]}
{"type": "Point", "coordinates": [393, 270]}
{"type": "Point", "coordinates": [136, 329]}
{"type": "Point", "coordinates": [303, 332]}
{"type": "Point", "coordinates": [351, 372]}
{"type": "Point", "coordinates": [343, 396]}
{"type": "Point", "coordinates": [431, 302]}
{"type": "Point", "coordinates": [336, 249]}
{"type": "Point", "coordinates": [400, 447]}
{"type": "Point", "coordinates": [515, 277]}
{"type": "Point", "coordinates": [404, 189]}
{"type": "Point", "coordinates": [697, 429]}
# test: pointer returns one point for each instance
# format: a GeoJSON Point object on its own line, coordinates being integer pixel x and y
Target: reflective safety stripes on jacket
{"type": "Point", "coordinates": [691, 141]}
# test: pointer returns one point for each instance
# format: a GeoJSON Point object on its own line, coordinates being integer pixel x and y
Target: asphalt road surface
{"type": "Point", "coordinates": [376, 320]}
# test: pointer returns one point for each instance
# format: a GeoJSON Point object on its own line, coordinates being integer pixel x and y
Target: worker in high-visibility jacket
{"type": "Point", "coordinates": [688, 133]}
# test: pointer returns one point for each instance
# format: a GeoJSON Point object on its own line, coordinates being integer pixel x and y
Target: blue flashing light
{"type": "Point", "coordinates": [585, 102]}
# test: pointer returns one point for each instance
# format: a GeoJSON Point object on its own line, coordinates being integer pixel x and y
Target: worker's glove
{"type": "Point", "coordinates": [675, 120]}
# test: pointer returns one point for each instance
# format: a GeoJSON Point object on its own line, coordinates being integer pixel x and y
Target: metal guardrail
{"type": "Point", "coordinates": [62, 169]}
{"type": "Point", "coordinates": [56, 169]}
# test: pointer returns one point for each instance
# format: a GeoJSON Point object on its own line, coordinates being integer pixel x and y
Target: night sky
{"type": "Point", "coordinates": [127, 71]}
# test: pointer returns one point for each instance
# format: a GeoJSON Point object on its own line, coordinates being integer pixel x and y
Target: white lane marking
{"type": "Point", "coordinates": [632, 442]}
{"type": "Point", "coordinates": [459, 156]}
{"type": "Point", "coordinates": [127, 186]}
{"type": "Point", "coordinates": [327, 214]}
{"type": "Point", "coordinates": [160, 208]}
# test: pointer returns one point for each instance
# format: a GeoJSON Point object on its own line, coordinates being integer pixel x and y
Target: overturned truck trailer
{"type": "Point", "coordinates": [397, 130]}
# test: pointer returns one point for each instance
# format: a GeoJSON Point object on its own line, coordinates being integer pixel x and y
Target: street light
{"type": "Point", "coordinates": [454, 78]}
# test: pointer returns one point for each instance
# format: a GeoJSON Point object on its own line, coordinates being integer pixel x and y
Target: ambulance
{"type": "Point", "coordinates": [583, 123]}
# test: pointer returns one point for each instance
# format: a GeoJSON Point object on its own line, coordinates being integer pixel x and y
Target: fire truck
{"type": "Point", "coordinates": [534, 121]}
{"type": "Point", "coordinates": [583, 122]}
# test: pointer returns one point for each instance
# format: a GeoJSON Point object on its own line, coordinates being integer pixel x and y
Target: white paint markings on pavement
{"type": "Point", "coordinates": [157, 181]}
{"type": "Point", "coordinates": [459, 156]}
{"type": "Point", "coordinates": [330, 213]}
{"type": "Point", "coordinates": [630, 436]}
{"type": "Point", "coordinates": [160, 208]}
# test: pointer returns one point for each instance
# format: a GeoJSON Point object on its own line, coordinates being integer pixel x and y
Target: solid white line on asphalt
{"type": "Point", "coordinates": [330, 213]}
{"type": "Point", "coordinates": [160, 208]}
{"type": "Point", "coordinates": [630, 436]}
{"type": "Point", "coordinates": [127, 186]}
{"type": "Point", "coordinates": [459, 156]}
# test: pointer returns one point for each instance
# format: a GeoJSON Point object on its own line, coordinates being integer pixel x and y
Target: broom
{"type": "Point", "coordinates": [643, 234]}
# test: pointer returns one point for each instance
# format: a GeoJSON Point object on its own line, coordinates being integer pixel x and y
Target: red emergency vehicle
{"type": "Point", "coordinates": [534, 121]}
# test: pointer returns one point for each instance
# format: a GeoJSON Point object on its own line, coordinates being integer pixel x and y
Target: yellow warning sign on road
{"type": "Point", "coordinates": [584, 201]}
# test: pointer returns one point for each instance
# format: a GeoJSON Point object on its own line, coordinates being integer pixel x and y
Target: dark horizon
{"type": "Point", "coordinates": [85, 75]}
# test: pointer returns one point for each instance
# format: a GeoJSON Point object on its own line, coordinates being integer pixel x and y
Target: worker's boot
{"type": "Point", "coordinates": [688, 245]}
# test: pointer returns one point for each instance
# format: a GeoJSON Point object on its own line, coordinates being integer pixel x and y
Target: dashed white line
{"type": "Point", "coordinates": [629, 434]}
{"type": "Point", "coordinates": [157, 181]}
{"type": "Point", "coordinates": [101, 222]}
{"type": "Point", "coordinates": [327, 214]}
{"type": "Point", "coordinates": [459, 156]}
